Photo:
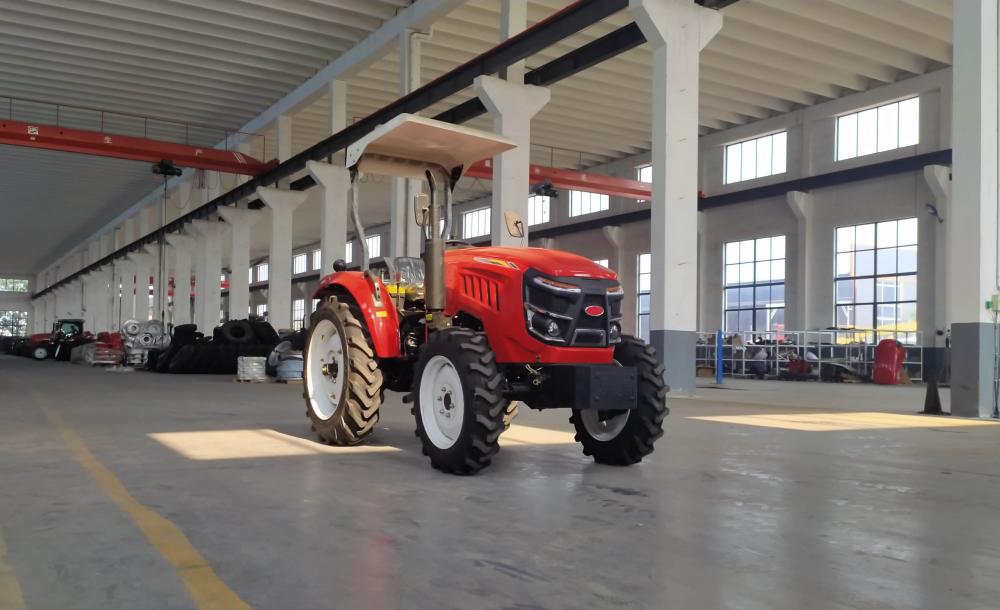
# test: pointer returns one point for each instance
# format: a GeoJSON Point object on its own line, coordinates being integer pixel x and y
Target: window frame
{"type": "Point", "coordinates": [539, 204]}
{"type": "Point", "coordinates": [758, 142]}
{"type": "Point", "coordinates": [300, 256]}
{"type": "Point", "coordinates": [755, 284]}
{"type": "Point", "coordinates": [582, 203]}
{"type": "Point", "coordinates": [478, 219]}
{"type": "Point", "coordinates": [840, 125]}
{"type": "Point", "coordinates": [643, 315]}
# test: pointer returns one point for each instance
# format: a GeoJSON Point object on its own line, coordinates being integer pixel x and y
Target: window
{"type": "Point", "coordinates": [250, 274]}
{"type": "Point", "coordinates": [754, 289]}
{"type": "Point", "coordinates": [262, 272]}
{"type": "Point", "coordinates": [581, 202]}
{"type": "Point", "coordinates": [875, 277]}
{"type": "Point", "coordinates": [315, 304]}
{"type": "Point", "coordinates": [13, 323]}
{"type": "Point", "coordinates": [476, 223]}
{"type": "Point", "coordinates": [538, 209]}
{"type": "Point", "coordinates": [644, 174]}
{"type": "Point", "coordinates": [349, 252]}
{"type": "Point", "coordinates": [222, 278]}
{"type": "Point", "coordinates": [317, 259]}
{"type": "Point", "coordinates": [11, 285]}
{"type": "Point", "coordinates": [601, 261]}
{"type": "Point", "coordinates": [374, 246]}
{"type": "Point", "coordinates": [298, 314]}
{"type": "Point", "coordinates": [300, 263]}
{"type": "Point", "coordinates": [878, 129]}
{"type": "Point", "coordinates": [643, 296]}
{"type": "Point", "coordinates": [262, 311]}
{"type": "Point", "coordinates": [764, 156]}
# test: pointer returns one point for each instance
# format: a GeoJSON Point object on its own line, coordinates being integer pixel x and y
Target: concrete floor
{"type": "Point", "coordinates": [800, 503]}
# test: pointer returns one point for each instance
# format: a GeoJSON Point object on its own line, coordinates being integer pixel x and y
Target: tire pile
{"type": "Point", "coordinates": [191, 351]}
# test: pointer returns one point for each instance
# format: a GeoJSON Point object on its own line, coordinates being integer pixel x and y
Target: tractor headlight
{"type": "Point", "coordinates": [615, 333]}
{"type": "Point", "coordinates": [552, 329]}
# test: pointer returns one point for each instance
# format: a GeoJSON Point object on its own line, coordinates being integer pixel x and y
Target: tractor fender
{"type": "Point", "coordinates": [379, 312]}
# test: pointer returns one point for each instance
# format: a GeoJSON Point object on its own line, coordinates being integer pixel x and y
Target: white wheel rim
{"type": "Point", "coordinates": [442, 402]}
{"type": "Point", "coordinates": [605, 430]}
{"type": "Point", "coordinates": [40, 353]}
{"type": "Point", "coordinates": [326, 370]}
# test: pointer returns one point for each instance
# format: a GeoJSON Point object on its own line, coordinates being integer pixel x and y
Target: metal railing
{"type": "Point", "coordinates": [832, 354]}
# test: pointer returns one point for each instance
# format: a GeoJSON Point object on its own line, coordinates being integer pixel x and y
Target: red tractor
{"type": "Point", "coordinates": [66, 333]}
{"type": "Point", "coordinates": [468, 332]}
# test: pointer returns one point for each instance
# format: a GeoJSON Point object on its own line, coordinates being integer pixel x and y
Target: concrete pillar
{"type": "Point", "coordinates": [938, 178]}
{"type": "Point", "coordinates": [513, 20]}
{"type": "Point", "coordinates": [50, 311]}
{"type": "Point", "coordinates": [211, 185]}
{"type": "Point", "coordinates": [336, 105]}
{"type": "Point", "coordinates": [143, 264]}
{"type": "Point", "coordinates": [102, 301]}
{"type": "Point", "coordinates": [240, 222]}
{"type": "Point", "coordinates": [512, 106]}
{"type": "Point", "coordinates": [404, 234]}
{"type": "Point", "coordinates": [676, 30]}
{"type": "Point", "coordinates": [279, 283]}
{"type": "Point", "coordinates": [37, 316]}
{"type": "Point", "coordinates": [208, 267]}
{"type": "Point", "coordinates": [972, 227]}
{"type": "Point", "coordinates": [334, 182]}
{"type": "Point", "coordinates": [615, 237]}
{"type": "Point", "coordinates": [283, 125]}
{"type": "Point", "coordinates": [128, 272]}
{"type": "Point", "coordinates": [182, 247]}
{"type": "Point", "coordinates": [803, 208]}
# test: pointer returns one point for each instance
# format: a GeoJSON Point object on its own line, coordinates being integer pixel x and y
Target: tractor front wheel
{"type": "Point", "coordinates": [343, 384]}
{"type": "Point", "coordinates": [457, 401]}
{"type": "Point", "coordinates": [40, 352]}
{"type": "Point", "coordinates": [621, 438]}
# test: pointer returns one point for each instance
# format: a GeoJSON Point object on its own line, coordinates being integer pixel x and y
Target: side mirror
{"type": "Point", "coordinates": [515, 226]}
{"type": "Point", "coordinates": [421, 209]}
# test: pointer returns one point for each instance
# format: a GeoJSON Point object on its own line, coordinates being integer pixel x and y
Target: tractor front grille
{"type": "Point", "coordinates": [574, 312]}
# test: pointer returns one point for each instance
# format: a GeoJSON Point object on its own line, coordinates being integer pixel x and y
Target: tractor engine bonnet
{"type": "Point", "coordinates": [554, 263]}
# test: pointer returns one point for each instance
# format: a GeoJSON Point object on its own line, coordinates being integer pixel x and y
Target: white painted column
{"type": "Point", "coordinates": [513, 20]}
{"type": "Point", "coordinates": [143, 264]}
{"type": "Point", "coordinates": [803, 207]}
{"type": "Point", "coordinates": [50, 311]}
{"type": "Point", "coordinates": [404, 234]}
{"type": "Point", "coordinates": [182, 248]}
{"type": "Point", "coordinates": [279, 283]}
{"type": "Point", "coordinates": [334, 182]}
{"type": "Point", "coordinates": [128, 272]}
{"type": "Point", "coordinates": [240, 222]}
{"type": "Point", "coordinates": [512, 107]}
{"type": "Point", "coordinates": [283, 126]}
{"type": "Point", "coordinates": [102, 300]}
{"type": "Point", "coordinates": [336, 105]}
{"type": "Point", "coordinates": [208, 268]}
{"type": "Point", "coordinates": [938, 178]}
{"type": "Point", "coordinates": [676, 30]}
{"type": "Point", "coordinates": [37, 316]}
{"type": "Point", "coordinates": [972, 227]}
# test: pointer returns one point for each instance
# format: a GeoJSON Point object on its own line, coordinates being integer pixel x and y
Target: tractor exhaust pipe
{"type": "Point", "coordinates": [434, 287]}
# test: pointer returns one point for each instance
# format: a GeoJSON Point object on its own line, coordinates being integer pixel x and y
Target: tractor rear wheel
{"type": "Point", "coordinates": [457, 401]}
{"type": "Point", "coordinates": [343, 383]}
{"type": "Point", "coordinates": [621, 438]}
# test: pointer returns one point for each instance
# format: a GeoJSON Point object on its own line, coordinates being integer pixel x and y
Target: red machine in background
{"type": "Point", "coordinates": [889, 358]}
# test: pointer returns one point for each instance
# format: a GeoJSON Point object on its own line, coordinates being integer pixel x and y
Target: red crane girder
{"type": "Point", "coordinates": [574, 180]}
{"type": "Point", "coordinates": [101, 144]}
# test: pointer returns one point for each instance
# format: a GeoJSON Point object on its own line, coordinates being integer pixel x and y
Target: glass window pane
{"type": "Point", "coordinates": [760, 319]}
{"type": "Point", "coordinates": [764, 249]}
{"type": "Point", "coordinates": [885, 317]}
{"type": "Point", "coordinates": [885, 289]}
{"type": "Point", "coordinates": [732, 320]}
{"type": "Point", "coordinates": [888, 127]}
{"type": "Point", "coordinates": [867, 132]}
{"type": "Point", "coordinates": [907, 259]}
{"type": "Point", "coordinates": [845, 316]}
{"type": "Point", "coordinates": [746, 297]}
{"type": "Point", "coordinates": [763, 296]}
{"type": "Point", "coordinates": [779, 152]}
{"type": "Point", "coordinates": [907, 232]}
{"type": "Point", "coordinates": [777, 270]}
{"type": "Point", "coordinates": [746, 320]}
{"type": "Point", "coordinates": [778, 247]}
{"type": "Point", "coordinates": [909, 122]}
{"type": "Point", "coordinates": [906, 286]}
{"type": "Point", "coordinates": [864, 291]}
{"type": "Point", "coordinates": [643, 303]}
{"type": "Point", "coordinates": [777, 295]}
{"type": "Point", "coordinates": [864, 263]}
{"type": "Point", "coordinates": [847, 137]}
{"type": "Point", "coordinates": [844, 291]}
{"type": "Point", "coordinates": [732, 252]}
{"type": "Point", "coordinates": [732, 298]}
{"type": "Point", "coordinates": [764, 156]}
{"type": "Point", "coordinates": [644, 262]}
{"type": "Point", "coordinates": [644, 282]}
{"type": "Point", "coordinates": [733, 163]}
{"type": "Point", "coordinates": [763, 272]}
{"type": "Point", "coordinates": [845, 239]}
{"type": "Point", "coordinates": [906, 316]}
{"type": "Point", "coordinates": [865, 237]}
{"type": "Point", "coordinates": [845, 265]}
{"type": "Point", "coordinates": [886, 233]}
{"type": "Point", "coordinates": [749, 160]}
{"type": "Point", "coordinates": [732, 275]}
{"type": "Point", "coordinates": [863, 316]}
{"type": "Point", "coordinates": [886, 261]}
{"type": "Point", "coordinates": [746, 273]}
{"type": "Point", "coordinates": [746, 251]}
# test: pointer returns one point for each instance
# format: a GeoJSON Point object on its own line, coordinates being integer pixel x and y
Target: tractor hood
{"type": "Point", "coordinates": [554, 263]}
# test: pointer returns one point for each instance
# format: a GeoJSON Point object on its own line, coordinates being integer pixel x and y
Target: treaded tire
{"type": "Point", "coordinates": [483, 403]}
{"type": "Point", "coordinates": [41, 352]}
{"type": "Point", "coordinates": [237, 332]}
{"type": "Point", "coordinates": [645, 423]}
{"type": "Point", "coordinates": [356, 411]}
{"type": "Point", "coordinates": [181, 362]}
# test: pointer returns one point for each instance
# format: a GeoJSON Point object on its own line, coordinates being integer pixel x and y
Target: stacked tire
{"type": "Point", "coordinates": [191, 352]}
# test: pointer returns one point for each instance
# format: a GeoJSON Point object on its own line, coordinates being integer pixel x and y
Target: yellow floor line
{"type": "Point", "coordinates": [11, 597]}
{"type": "Point", "coordinates": [202, 583]}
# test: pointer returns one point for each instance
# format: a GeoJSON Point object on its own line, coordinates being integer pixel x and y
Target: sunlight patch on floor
{"type": "Point", "coordinates": [528, 435]}
{"type": "Point", "coordinates": [832, 422]}
{"type": "Point", "coordinates": [254, 443]}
